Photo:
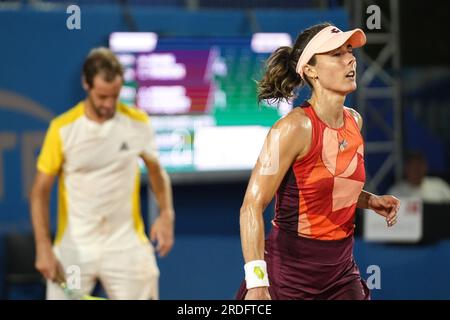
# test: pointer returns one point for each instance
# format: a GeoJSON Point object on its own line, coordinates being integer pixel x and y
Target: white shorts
{"type": "Point", "coordinates": [131, 274]}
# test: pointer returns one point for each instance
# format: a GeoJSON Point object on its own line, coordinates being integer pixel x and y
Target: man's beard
{"type": "Point", "coordinates": [99, 112]}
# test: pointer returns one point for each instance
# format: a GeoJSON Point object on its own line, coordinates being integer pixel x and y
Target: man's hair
{"type": "Point", "coordinates": [415, 155]}
{"type": "Point", "coordinates": [101, 61]}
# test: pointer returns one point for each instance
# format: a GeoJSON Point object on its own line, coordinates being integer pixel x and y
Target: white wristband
{"type": "Point", "coordinates": [256, 274]}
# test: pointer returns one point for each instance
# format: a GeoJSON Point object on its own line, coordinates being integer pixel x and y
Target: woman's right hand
{"type": "Point", "coordinates": [259, 293]}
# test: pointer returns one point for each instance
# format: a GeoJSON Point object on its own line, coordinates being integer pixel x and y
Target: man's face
{"type": "Point", "coordinates": [416, 170]}
{"type": "Point", "coordinates": [103, 96]}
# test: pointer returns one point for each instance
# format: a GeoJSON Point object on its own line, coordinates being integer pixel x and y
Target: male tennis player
{"type": "Point", "coordinates": [93, 149]}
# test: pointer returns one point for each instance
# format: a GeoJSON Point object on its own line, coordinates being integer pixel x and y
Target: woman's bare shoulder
{"type": "Point", "coordinates": [356, 116]}
{"type": "Point", "coordinates": [296, 121]}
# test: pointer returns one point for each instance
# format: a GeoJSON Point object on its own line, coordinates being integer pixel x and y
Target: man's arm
{"type": "Point", "coordinates": [46, 261]}
{"type": "Point", "coordinates": [162, 229]}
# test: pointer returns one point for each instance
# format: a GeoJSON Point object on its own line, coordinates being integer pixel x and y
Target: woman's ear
{"type": "Point", "coordinates": [310, 71]}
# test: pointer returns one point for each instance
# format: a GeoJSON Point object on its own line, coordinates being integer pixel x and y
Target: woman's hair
{"type": "Point", "coordinates": [280, 77]}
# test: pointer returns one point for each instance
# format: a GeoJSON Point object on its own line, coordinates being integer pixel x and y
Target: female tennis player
{"type": "Point", "coordinates": [313, 162]}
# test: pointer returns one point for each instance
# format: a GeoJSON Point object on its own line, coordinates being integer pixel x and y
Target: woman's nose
{"type": "Point", "coordinates": [352, 59]}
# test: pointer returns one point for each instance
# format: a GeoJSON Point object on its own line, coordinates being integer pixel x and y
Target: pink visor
{"type": "Point", "coordinates": [328, 39]}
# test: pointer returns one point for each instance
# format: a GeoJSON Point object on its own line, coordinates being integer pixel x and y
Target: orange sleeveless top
{"type": "Point", "coordinates": [318, 195]}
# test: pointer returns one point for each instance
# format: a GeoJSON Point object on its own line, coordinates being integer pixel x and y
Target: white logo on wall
{"type": "Point", "coordinates": [374, 280]}
{"type": "Point", "coordinates": [374, 20]}
{"type": "Point", "coordinates": [74, 20]}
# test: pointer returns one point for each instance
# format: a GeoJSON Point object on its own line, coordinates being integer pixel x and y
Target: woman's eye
{"type": "Point", "coordinates": [337, 54]}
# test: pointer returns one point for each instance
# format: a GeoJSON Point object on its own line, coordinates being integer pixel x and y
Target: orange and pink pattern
{"type": "Point", "coordinates": [317, 198]}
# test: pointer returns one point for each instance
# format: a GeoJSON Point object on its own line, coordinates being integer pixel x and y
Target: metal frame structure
{"type": "Point", "coordinates": [374, 67]}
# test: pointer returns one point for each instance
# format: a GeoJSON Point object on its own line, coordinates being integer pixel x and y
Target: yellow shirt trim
{"type": "Point", "coordinates": [51, 157]}
{"type": "Point", "coordinates": [62, 210]}
{"type": "Point", "coordinates": [138, 223]}
{"type": "Point", "coordinates": [133, 113]}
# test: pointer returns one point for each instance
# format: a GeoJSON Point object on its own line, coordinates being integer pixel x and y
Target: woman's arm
{"type": "Point", "coordinates": [386, 205]}
{"type": "Point", "coordinates": [287, 140]}
{"type": "Point", "coordinates": [363, 200]}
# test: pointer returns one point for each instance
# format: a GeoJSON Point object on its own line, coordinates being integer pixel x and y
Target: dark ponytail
{"type": "Point", "coordinates": [280, 78]}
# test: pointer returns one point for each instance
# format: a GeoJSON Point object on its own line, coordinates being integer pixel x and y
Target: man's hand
{"type": "Point", "coordinates": [162, 232]}
{"type": "Point", "coordinates": [259, 293]}
{"type": "Point", "coordinates": [386, 206]}
{"type": "Point", "coordinates": [49, 266]}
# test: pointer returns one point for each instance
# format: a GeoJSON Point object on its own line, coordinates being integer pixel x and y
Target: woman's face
{"type": "Point", "coordinates": [336, 70]}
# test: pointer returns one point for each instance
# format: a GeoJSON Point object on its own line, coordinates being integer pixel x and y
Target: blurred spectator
{"type": "Point", "coordinates": [417, 183]}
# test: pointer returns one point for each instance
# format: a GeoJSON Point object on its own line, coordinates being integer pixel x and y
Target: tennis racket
{"type": "Point", "coordinates": [74, 294]}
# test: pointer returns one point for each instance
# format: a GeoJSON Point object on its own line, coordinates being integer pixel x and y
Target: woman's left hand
{"type": "Point", "coordinates": [387, 206]}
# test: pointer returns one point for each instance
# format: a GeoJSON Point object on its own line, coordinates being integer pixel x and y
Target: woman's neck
{"type": "Point", "coordinates": [329, 108]}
